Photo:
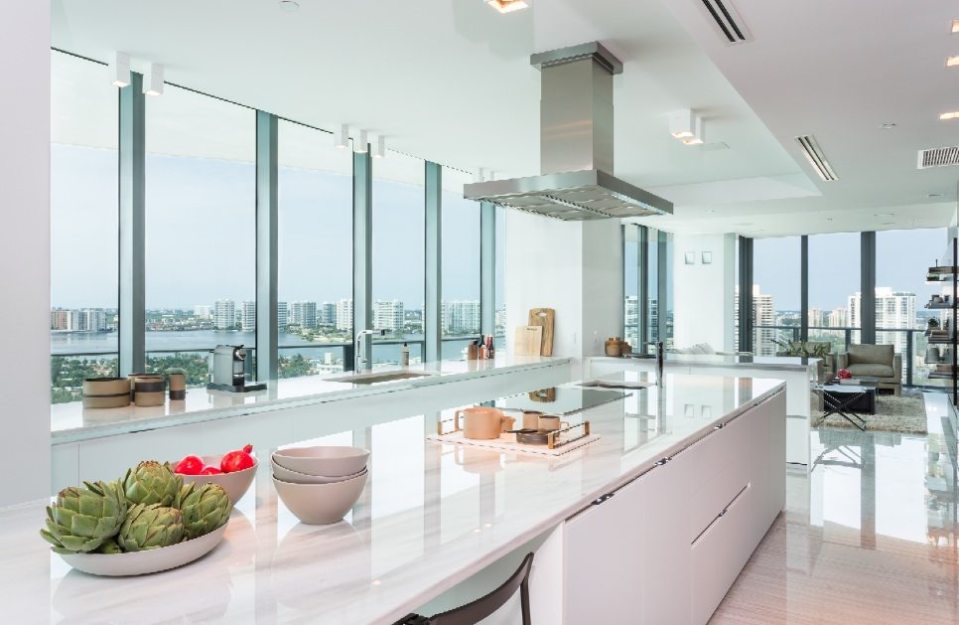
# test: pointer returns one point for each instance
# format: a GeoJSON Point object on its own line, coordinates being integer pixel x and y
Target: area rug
{"type": "Point", "coordinates": [905, 413]}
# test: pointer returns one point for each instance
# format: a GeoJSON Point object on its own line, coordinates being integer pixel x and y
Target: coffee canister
{"type": "Point", "coordinates": [106, 393]}
{"type": "Point", "coordinates": [177, 381]}
{"type": "Point", "coordinates": [149, 390]}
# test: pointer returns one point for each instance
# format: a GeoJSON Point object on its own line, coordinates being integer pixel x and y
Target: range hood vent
{"type": "Point", "coordinates": [727, 21]}
{"type": "Point", "coordinates": [576, 146]}
{"type": "Point", "coordinates": [813, 154]}
{"type": "Point", "coordinates": [938, 157]}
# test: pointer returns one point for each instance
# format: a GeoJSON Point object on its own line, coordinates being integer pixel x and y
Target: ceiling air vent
{"type": "Point", "coordinates": [938, 157]}
{"type": "Point", "coordinates": [727, 21]}
{"type": "Point", "coordinates": [816, 158]}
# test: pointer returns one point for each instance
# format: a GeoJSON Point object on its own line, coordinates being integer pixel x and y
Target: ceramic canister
{"type": "Point", "coordinates": [480, 423]}
{"type": "Point", "coordinates": [106, 393]}
{"type": "Point", "coordinates": [148, 390]}
{"type": "Point", "coordinates": [177, 381]}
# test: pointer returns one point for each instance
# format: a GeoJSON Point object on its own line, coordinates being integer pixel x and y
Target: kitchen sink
{"type": "Point", "coordinates": [378, 378]}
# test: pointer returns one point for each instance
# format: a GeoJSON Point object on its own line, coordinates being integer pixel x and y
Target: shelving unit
{"type": "Point", "coordinates": [948, 274]}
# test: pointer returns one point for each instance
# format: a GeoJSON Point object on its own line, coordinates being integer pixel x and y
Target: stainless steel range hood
{"type": "Point", "coordinates": [576, 146]}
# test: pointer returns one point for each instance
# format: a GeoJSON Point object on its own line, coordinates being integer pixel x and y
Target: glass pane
{"type": "Point", "coordinates": [399, 262]}
{"type": "Point", "coordinates": [631, 274]}
{"type": "Point", "coordinates": [652, 273]}
{"type": "Point", "coordinates": [200, 223]}
{"type": "Point", "coordinates": [315, 293]}
{"type": "Point", "coordinates": [461, 258]}
{"type": "Point", "coordinates": [904, 302]}
{"type": "Point", "coordinates": [777, 290]}
{"type": "Point", "coordinates": [834, 285]}
{"type": "Point", "coordinates": [83, 224]}
{"type": "Point", "coordinates": [500, 278]}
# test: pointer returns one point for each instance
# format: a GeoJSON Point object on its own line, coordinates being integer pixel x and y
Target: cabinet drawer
{"type": "Point", "coordinates": [714, 493]}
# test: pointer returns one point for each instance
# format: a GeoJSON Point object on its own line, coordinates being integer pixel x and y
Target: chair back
{"type": "Point", "coordinates": [871, 354]}
{"type": "Point", "coordinates": [476, 611]}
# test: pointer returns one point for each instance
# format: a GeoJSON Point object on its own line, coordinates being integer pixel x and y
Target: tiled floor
{"type": "Point", "coordinates": [869, 536]}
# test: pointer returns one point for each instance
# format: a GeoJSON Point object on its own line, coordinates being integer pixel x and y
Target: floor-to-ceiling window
{"type": "Point", "coordinates": [632, 275]}
{"type": "Point", "coordinates": [315, 248]}
{"type": "Point", "coordinates": [399, 263]}
{"type": "Point", "coordinates": [500, 278]}
{"type": "Point", "coordinates": [777, 288]}
{"type": "Point", "coordinates": [83, 224]}
{"type": "Point", "coordinates": [200, 229]}
{"type": "Point", "coordinates": [834, 287]}
{"type": "Point", "coordinates": [460, 316]}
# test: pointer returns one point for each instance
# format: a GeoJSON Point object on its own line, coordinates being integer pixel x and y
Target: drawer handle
{"type": "Point", "coordinates": [602, 499]}
{"type": "Point", "coordinates": [719, 427]}
{"type": "Point", "coordinates": [663, 461]}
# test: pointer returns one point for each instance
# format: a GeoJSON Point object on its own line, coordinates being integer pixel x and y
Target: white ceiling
{"type": "Point", "coordinates": [450, 80]}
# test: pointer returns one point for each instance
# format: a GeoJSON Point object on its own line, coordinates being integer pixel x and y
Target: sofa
{"type": "Point", "coordinates": [880, 362]}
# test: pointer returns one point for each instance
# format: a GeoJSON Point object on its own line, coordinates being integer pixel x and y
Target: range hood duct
{"type": "Point", "coordinates": [576, 146]}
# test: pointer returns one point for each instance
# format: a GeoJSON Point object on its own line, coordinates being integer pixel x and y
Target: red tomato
{"type": "Point", "coordinates": [190, 465]}
{"type": "Point", "coordinates": [210, 470]}
{"type": "Point", "coordinates": [237, 460]}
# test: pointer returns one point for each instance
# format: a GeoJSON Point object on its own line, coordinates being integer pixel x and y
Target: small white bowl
{"type": "Point", "coordinates": [235, 484]}
{"type": "Point", "coordinates": [329, 461]}
{"type": "Point", "coordinates": [294, 477]}
{"type": "Point", "coordinates": [320, 504]}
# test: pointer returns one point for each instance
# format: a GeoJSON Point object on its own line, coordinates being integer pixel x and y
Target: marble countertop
{"type": "Point", "coordinates": [770, 363]}
{"type": "Point", "coordinates": [71, 422]}
{"type": "Point", "coordinates": [432, 515]}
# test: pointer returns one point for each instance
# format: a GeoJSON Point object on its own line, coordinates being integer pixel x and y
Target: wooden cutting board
{"type": "Point", "coordinates": [545, 317]}
{"type": "Point", "coordinates": [527, 340]}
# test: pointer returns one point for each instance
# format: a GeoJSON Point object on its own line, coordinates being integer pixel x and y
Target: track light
{"type": "Point", "coordinates": [342, 137]}
{"type": "Point", "coordinates": [697, 137]}
{"type": "Point", "coordinates": [362, 144]}
{"type": "Point", "coordinates": [153, 81]}
{"type": "Point", "coordinates": [120, 69]}
{"type": "Point", "coordinates": [379, 148]}
{"type": "Point", "coordinates": [681, 124]}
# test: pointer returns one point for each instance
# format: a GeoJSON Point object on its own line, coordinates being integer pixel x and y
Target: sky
{"type": "Point", "coordinates": [201, 229]}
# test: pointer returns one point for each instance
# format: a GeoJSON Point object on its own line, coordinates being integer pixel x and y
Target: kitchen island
{"type": "Point", "coordinates": [441, 523]}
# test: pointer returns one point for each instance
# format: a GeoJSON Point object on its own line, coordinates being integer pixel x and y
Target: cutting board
{"type": "Point", "coordinates": [527, 340]}
{"type": "Point", "coordinates": [546, 318]}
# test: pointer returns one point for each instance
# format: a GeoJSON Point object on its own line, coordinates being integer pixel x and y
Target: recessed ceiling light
{"type": "Point", "coordinates": [887, 125]}
{"type": "Point", "coordinates": [949, 115]}
{"type": "Point", "coordinates": [289, 5]}
{"type": "Point", "coordinates": [952, 61]}
{"type": "Point", "coordinates": [955, 26]}
{"type": "Point", "coordinates": [508, 6]}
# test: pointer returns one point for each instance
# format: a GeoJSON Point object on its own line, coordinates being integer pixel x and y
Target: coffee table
{"type": "Point", "coordinates": [847, 401]}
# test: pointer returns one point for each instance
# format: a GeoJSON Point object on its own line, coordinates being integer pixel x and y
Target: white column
{"type": "Point", "coordinates": [704, 292]}
{"type": "Point", "coordinates": [25, 250]}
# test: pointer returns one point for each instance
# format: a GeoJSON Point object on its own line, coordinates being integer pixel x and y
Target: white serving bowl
{"type": "Point", "coordinates": [235, 484]}
{"type": "Point", "coordinates": [294, 477]}
{"type": "Point", "coordinates": [320, 504]}
{"type": "Point", "coordinates": [329, 461]}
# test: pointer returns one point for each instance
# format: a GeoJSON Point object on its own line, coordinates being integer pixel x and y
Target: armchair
{"type": "Point", "coordinates": [874, 361]}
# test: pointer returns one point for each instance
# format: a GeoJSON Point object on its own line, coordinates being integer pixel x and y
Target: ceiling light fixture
{"type": "Point", "coordinates": [508, 6]}
{"type": "Point", "coordinates": [949, 115]}
{"type": "Point", "coordinates": [342, 137]}
{"type": "Point", "coordinates": [120, 69]}
{"type": "Point", "coordinates": [379, 149]}
{"type": "Point", "coordinates": [955, 26]}
{"type": "Point", "coordinates": [362, 144]}
{"type": "Point", "coordinates": [480, 175]}
{"type": "Point", "coordinates": [289, 6]}
{"type": "Point", "coordinates": [952, 61]}
{"type": "Point", "coordinates": [681, 124]}
{"type": "Point", "coordinates": [153, 81]}
{"type": "Point", "coordinates": [697, 138]}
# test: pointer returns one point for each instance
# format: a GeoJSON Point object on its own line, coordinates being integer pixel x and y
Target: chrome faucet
{"type": "Point", "coordinates": [363, 358]}
{"type": "Point", "coordinates": [660, 362]}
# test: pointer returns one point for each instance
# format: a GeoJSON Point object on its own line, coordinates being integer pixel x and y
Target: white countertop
{"type": "Point", "coordinates": [71, 422]}
{"type": "Point", "coordinates": [432, 515]}
{"type": "Point", "coordinates": [770, 363]}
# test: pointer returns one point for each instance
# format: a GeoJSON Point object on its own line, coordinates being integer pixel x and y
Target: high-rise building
{"type": "Point", "coordinates": [461, 317]}
{"type": "Point", "coordinates": [60, 319]}
{"type": "Point", "coordinates": [282, 316]}
{"type": "Point", "coordinates": [203, 311]}
{"type": "Point", "coordinates": [224, 314]}
{"type": "Point", "coordinates": [303, 314]}
{"type": "Point", "coordinates": [344, 315]}
{"type": "Point", "coordinates": [816, 318]}
{"type": "Point", "coordinates": [838, 318]}
{"type": "Point", "coordinates": [763, 315]}
{"type": "Point", "coordinates": [894, 310]}
{"type": "Point", "coordinates": [248, 316]}
{"type": "Point", "coordinates": [326, 314]}
{"type": "Point", "coordinates": [388, 315]}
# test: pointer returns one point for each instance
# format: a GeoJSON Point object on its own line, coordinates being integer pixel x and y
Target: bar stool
{"type": "Point", "coordinates": [476, 611]}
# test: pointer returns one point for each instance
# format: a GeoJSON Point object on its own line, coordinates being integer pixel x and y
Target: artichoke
{"type": "Point", "coordinates": [150, 527]}
{"type": "Point", "coordinates": [205, 507]}
{"type": "Point", "coordinates": [151, 482]}
{"type": "Point", "coordinates": [82, 519]}
{"type": "Point", "coordinates": [110, 547]}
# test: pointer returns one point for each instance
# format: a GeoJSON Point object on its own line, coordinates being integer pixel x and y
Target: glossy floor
{"type": "Point", "coordinates": [869, 537]}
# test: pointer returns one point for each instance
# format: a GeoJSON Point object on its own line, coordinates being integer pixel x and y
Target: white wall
{"type": "Point", "coordinates": [25, 250]}
{"type": "Point", "coordinates": [575, 268]}
{"type": "Point", "coordinates": [704, 294]}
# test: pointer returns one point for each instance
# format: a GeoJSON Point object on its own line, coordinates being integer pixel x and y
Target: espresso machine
{"type": "Point", "coordinates": [228, 365]}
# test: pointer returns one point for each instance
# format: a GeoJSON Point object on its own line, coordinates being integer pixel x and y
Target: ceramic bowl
{"type": "Point", "coordinates": [149, 561]}
{"type": "Point", "coordinates": [235, 484]}
{"type": "Point", "coordinates": [295, 477]}
{"type": "Point", "coordinates": [329, 461]}
{"type": "Point", "coordinates": [320, 504]}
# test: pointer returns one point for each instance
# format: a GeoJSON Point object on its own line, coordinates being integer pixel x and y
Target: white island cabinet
{"type": "Point", "coordinates": [666, 547]}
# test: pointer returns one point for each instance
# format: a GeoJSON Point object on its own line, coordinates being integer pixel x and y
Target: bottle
{"type": "Point", "coordinates": [405, 355]}
{"type": "Point", "coordinates": [490, 348]}
{"type": "Point", "coordinates": [472, 352]}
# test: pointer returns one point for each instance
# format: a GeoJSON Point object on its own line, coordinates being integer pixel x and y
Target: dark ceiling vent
{"type": "Point", "coordinates": [938, 157]}
{"type": "Point", "coordinates": [727, 21]}
{"type": "Point", "coordinates": [813, 154]}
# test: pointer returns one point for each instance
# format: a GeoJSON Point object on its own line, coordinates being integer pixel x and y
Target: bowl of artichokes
{"type": "Point", "coordinates": [146, 522]}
